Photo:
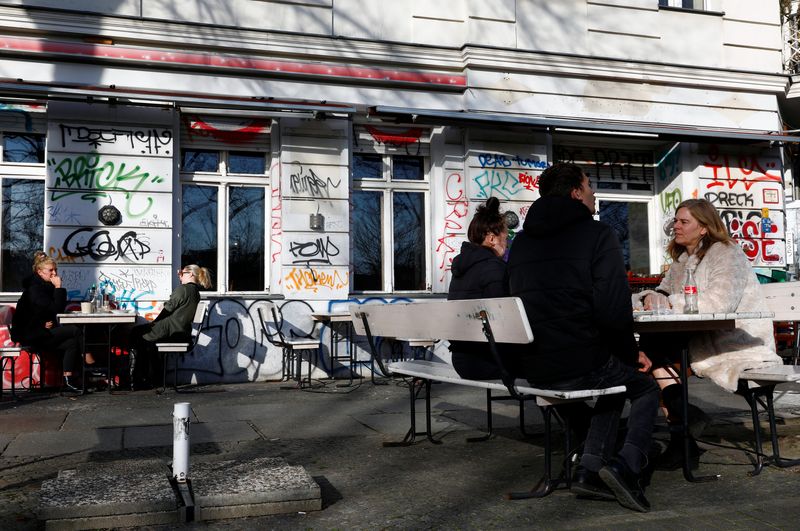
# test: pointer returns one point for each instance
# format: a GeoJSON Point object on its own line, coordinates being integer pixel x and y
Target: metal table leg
{"type": "Point", "coordinates": [687, 469]}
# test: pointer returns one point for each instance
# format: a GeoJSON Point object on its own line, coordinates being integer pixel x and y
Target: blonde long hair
{"type": "Point", "coordinates": [202, 274]}
{"type": "Point", "coordinates": [708, 217]}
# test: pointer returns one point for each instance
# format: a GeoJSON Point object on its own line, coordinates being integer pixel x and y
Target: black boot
{"type": "Point", "coordinates": [672, 457]}
{"type": "Point", "coordinates": [69, 386]}
{"type": "Point", "coordinates": [672, 397]}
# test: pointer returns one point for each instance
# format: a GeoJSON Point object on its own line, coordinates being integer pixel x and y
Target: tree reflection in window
{"type": "Point", "coordinates": [246, 239]}
{"type": "Point", "coordinates": [195, 160]}
{"type": "Point", "coordinates": [629, 221]}
{"type": "Point", "coordinates": [365, 233]}
{"type": "Point", "coordinates": [23, 229]}
{"type": "Point", "coordinates": [23, 148]}
{"type": "Point", "coordinates": [247, 163]}
{"type": "Point", "coordinates": [199, 222]}
{"type": "Point", "coordinates": [409, 238]}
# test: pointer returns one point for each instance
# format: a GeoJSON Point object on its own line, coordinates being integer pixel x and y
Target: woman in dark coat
{"type": "Point", "coordinates": [173, 324]}
{"type": "Point", "coordinates": [35, 323]}
{"type": "Point", "coordinates": [478, 273]}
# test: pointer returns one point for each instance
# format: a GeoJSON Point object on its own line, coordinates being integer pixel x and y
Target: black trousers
{"type": "Point", "coordinates": [66, 339]}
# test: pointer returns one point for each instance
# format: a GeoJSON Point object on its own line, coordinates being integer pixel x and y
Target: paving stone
{"type": "Point", "coordinates": [108, 489]}
{"type": "Point", "coordinates": [116, 417]}
{"type": "Point", "coordinates": [20, 421]}
{"type": "Point", "coordinates": [64, 442]}
{"type": "Point", "coordinates": [144, 436]}
{"type": "Point", "coordinates": [266, 485]}
{"type": "Point", "coordinates": [291, 427]}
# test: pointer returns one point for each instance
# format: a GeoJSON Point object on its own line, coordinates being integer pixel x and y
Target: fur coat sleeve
{"type": "Point", "coordinates": [725, 283]}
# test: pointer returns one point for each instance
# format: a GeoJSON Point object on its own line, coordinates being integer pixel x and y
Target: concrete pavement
{"type": "Point", "coordinates": [336, 435]}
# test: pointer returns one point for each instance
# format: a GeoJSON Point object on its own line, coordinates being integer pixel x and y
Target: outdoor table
{"type": "Point", "coordinates": [650, 322]}
{"type": "Point", "coordinates": [341, 326]}
{"type": "Point", "coordinates": [110, 318]}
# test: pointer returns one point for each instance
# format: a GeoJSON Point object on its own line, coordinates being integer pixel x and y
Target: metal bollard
{"type": "Point", "coordinates": [181, 417]}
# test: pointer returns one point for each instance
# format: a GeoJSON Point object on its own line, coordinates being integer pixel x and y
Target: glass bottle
{"type": "Point", "coordinates": [690, 292]}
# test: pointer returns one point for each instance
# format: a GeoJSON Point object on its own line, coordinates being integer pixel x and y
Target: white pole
{"type": "Point", "coordinates": [181, 417]}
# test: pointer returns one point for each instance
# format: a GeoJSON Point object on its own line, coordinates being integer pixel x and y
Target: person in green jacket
{"type": "Point", "coordinates": [173, 324]}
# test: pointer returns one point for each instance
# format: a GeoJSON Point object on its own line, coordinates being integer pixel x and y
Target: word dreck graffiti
{"type": "Point", "coordinates": [318, 251]}
{"type": "Point", "coordinates": [144, 141]}
{"type": "Point", "coordinates": [100, 246]}
{"type": "Point", "coordinates": [93, 176]}
{"type": "Point", "coordinates": [740, 171]}
{"type": "Point", "coordinates": [308, 183]}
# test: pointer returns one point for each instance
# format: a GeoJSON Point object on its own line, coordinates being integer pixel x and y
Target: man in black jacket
{"type": "Point", "coordinates": [568, 270]}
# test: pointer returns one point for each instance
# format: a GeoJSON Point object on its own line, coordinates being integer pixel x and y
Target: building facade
{"type": "Point", "coordinates": [315, 154]}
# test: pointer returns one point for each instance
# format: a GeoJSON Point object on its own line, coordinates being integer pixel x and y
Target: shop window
{"type": "Point", "coordinates": [22, 228]}
{"type": "Point", "coordinates": [224, 213]}
{"type": "Point", "coordinates": [388, 229]}
{"type": "Point", "coordinates": [629, 220]}
{"type": "Point", "coordinates": [23, 148]}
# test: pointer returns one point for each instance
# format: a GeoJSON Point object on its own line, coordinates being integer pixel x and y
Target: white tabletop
{"type": "Point", "coordinates": [112, 317]}
{"type": "Point", "coordinates": [332, 317]}
{"type": "Point", "coordinates": [650, 322]}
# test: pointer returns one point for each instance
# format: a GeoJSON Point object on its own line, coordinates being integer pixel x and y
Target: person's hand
{"type": "Point", "coordinates": [644, 362]}
{"type": "Point", "coordinates": [49, 324]}
{"type": "Point", "coordinates": [56, 280]}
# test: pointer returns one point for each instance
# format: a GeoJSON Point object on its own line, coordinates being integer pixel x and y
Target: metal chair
{"type": "Point", "coordinates": [184, 347]}
{"type": "Point", "coordinates": [292, 350]}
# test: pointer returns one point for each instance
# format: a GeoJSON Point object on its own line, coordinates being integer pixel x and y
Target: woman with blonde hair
{"type": "Point", "coordinates": [173, 324]}
{"type": "Point", "coordinates": [726, 283]}
{"type": "Point", "coordinates": [35, 323]}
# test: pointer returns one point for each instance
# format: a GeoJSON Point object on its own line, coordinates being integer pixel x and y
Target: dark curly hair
{"type": "Point", "coordinates": [487, 220]}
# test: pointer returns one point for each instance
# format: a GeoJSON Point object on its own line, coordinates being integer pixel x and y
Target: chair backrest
{"type": "Point", "coordinates": [783, 299]}
{"type": "Point", "coordinates": [459, 320]}
{"type": "Point", "coordinates": [200, 315]}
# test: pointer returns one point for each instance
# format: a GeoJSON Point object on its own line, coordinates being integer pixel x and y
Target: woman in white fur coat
{"type": "Point", "coordinates": [726, 282]}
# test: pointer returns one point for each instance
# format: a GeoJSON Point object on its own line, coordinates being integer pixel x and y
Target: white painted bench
{"type": "Point", "coordinates": [757, 386]}
{"type": "Point", "coordinates": [490, 321]}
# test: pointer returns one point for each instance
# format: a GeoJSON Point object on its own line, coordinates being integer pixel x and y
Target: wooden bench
{"type": "Point", "coordinates": [490, 321]}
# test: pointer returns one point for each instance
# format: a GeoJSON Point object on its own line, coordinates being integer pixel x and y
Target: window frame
{"type": "Point", "coordinates": [387, 186]}
{"type": "Point", "coordinates": [223, 181]}
{"type": "Point", "coordinates": [33, 171]}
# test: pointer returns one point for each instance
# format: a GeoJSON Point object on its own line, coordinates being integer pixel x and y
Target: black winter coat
{"type": "Point", "coordinates": [478, 274]}
{"type": "Point", "coordinates": [39, 303]}
{"type": "Point", "coordinates": [569, 272]}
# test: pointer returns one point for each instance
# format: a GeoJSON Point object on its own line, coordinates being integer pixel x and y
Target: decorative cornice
{"type": "Point", "coordinates": [363, 61]}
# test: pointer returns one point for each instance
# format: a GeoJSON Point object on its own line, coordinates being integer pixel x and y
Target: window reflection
{"type": "Point", "coordinates": [409, 238]}
{"type": "Point", "coordinates": [406, 168]}
{"type": "Point", "coordinates": [247, 162]}
{"type": "Point", "coordinates": [23, 229]}
{"type": "Point", "coordinates": [246, 239]}
{"type": "Point", "coordinates": [199, 216]}
{"type": "Point", "coordinates": [629, 221]}
{"type": "Point", "coordinates": [194, 160]}
{"type": "Point", "coordinates": [23, 148]}
{"type": "Point", "coordinates": [367, 166]}
{"type": "Point", "coordinates": [365, 233]}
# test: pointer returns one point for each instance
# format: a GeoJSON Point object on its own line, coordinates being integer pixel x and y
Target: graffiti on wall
{"type": "Point", "coordinates": [609, 165]}
{"type": "Point", "coordinates": [238, 339]}
{"type": "Point", "coordinates": [146, 141]}
{"type": "Point", "coordinates": [315, 282]}
{"type": "Point", "coordinates": [505, 176]}
{"type": "Point", "coordinates": [129, 167]}
{"type": "Point", "coordinates": [454, 224]}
